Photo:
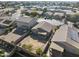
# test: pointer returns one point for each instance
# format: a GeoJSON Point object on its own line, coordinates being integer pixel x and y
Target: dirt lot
{"type": "Point", "coordinates": [36, 43]}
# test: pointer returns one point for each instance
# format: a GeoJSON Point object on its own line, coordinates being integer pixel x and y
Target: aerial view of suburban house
{"type": "Point", "coordinates": [39, 29]}
{"type": "Point", "coordinates": [43, 28]}
{"type": "Point", "coordinates": [59, 15]}
{"type": "Point", "coordinates": [26, 22]}
{"type": "Point", "coordinates": [38, 37]}
{"type": "Point", "coordinates": [68, 39]}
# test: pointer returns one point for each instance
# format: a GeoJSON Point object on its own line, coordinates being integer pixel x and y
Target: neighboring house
{"type": "Point", "coordinates": [52, 22]}
{"type": "Point", "coordinates": [52, 8]}
{"type": "Point", "coordinates": [26, 22]}
{"type": "Point", "coordinates": [5, 22]}
{"type": "Point", "coordinates": [68, 38]}
{"type": "Point", "coordinates": [59, 15]}
{"type": "Point", "coordinates": [42, 29]}
{"type": "Point", "coordinates": [68, 12]}
{"type": "Point", "coordinates": [37, 11]}
{"type": "Point", "coordinates": [49, 14]}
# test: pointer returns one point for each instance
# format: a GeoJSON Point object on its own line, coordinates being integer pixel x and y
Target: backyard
{"type": "Point", "coordinates": [33, 44]}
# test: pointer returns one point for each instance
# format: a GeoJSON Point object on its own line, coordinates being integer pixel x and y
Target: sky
{"type": "Point", "coordinates": [39, 0]}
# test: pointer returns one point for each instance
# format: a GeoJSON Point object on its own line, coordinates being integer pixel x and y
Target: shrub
{"type": "Point", "coordinates": [29, 47]}
{"type": "Point", "coordinates": [44, 55]}
{"type": "Point", "coordinates": [2, 53]}
{"type": "Point", "coordinates": [8, 30]}
{"type": "Point", "coordinates": [39, 51]}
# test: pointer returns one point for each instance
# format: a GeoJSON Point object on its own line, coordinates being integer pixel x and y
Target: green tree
{"type": "Point", "coordinates": [26, 13]}
{"type": "Point", "coordinates": [44, 10]}
{"type": "Point", "coordinates": [33, 14]}
{"type": "Point", "coordinates": [73, 18]}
